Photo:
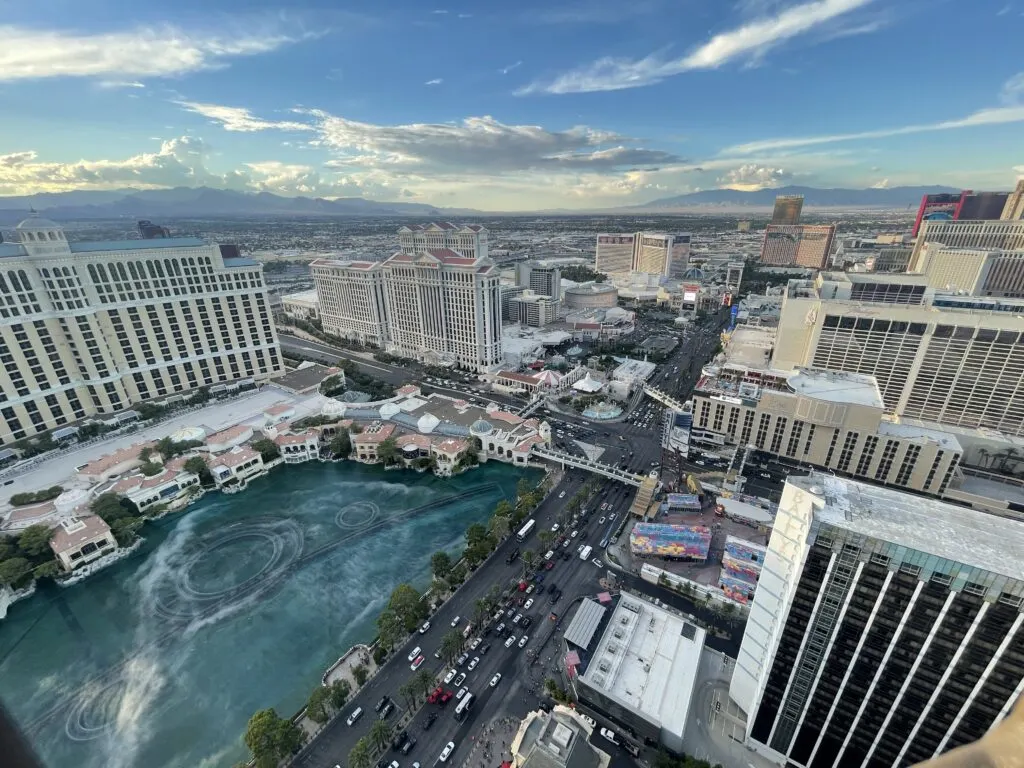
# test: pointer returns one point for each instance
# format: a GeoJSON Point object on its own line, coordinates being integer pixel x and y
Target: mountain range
{"type": "Point", "coordinates": [188, 202]}
{"type": "Point", "coordinates": [887, 197]}
{"type": "Point", "coordinates": [206, 202]}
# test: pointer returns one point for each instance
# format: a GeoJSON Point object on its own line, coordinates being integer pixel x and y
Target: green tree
{"type": "Point", "coordinates": [360, 673]}
{"type": "Point", "coordinates": [150, 468]}
{"type": "Point", "coordinates": [339, 692]}
{"type": "Point", "coordinates": [266, 448]}
{"type": "Point", "coordinates": [409, 691]}
{"type": "Point", "coordinates": [523, 488]}
{"type": "Point", "coordinates": [271, 738]}
{"type": "Point", "coordinates": [408, 607]}
{"type": "Point", "coordinates": [498, 526]}
{"type": "Point", "coordinates": [529, 559]}
{"type": "Point", "coordinates": [475, 534]}
{"type": "Point", "coordinates": [504, 508]}
{"type": "Point", "coordinates": [451, 646]}
{"type": "Point", "coordinates": [360, 755]}
{"type": "Point", "coordinates": [35, 540]}
{"type": "Point", "coordinates": [425, 679]}
{"type": "Point", "coordinates": [318, 707]}
{"type": "Point", "coordinates": [387, 451]}
{"type": "Point", "coordinates": [47, 570]}
{"type": "Point", "coordinates": [197, 466]}
{"type": "Point", "coordinates": [110, 507]}
{"type": "Point", "coordinates": [390, 628]}
{"type": "Point", "coordinates": [341, 444]}
{"type": "Point", "coordinates": [145, 453]}
{"type": "Point", "coordinates": [14, 570]}
{"type": "Point", "coordinates": [545, 538]}
{"type": "Point", "coordinates": [379, 734]}
{"type": "Point", "coordinates": [332, 385]}
{"type": "Point", "coordinates": [125, 529]}
{"type": "Point", "coordinates": [481, 610]}
{"type": "Point", "coordinates": [440, 564]}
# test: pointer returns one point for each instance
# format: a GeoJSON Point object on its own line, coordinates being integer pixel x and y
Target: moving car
{"type": "Point", "coordinates": [388, 709]}
{"type": "Point", "coordinates": [460, 679]}
{"type": "Point", "coordinates": [417, 663]}
{"type": "Point", "coordinates": [598, 562]}
{"type": "Point", "coordinates": [447, 751]}
{"type": "Point", "coordinates": [429, 721]}
{"type": "Point", "coordinates": [415, 652]}
{"type": "Point", "coordinates": [495, 680]}
{"type": "Point", "coordinates": [601, 521]}
{"type": "Point", "coordinates": [455, 621]}
{"type": "Point", "coordinates": [473, 663]}
{"type": "Point", "coordinates": [424, 627]}
{"type": "Point", "coordinates": [356, 714]}
{"type": "Point", "coordinates": [460, 693]}
{"type": "Point", "coordinates": [525, 639]}
{"type": "Point", "coordinates": [450, 676]}
{"type": "Point", "coordinates": [511, 639]}
{"type": "Point", "coordinates": [588, 720]}
{"type": "Point", "coordinates": [380, 704]}
{"type": "Point", "coordinates": [561, 495]}
{"type": "Point", "coordinates": [409, 744]}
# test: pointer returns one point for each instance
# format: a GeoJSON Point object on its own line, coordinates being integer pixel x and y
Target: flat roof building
{"type": "Point", "coordinates": [974, 271]}
{"type": "Point", "coordinates": [303, 305]}
{"type": "Point", "coordinates": [885, 628]}
{"type": "Point", "coordinates": [797, 245]}
{"type": "Point", "coordinates": [558, 739]}
{"type": "Point", "coordinates": [643, 670]}
{"type": "Point", "coordinates": [995, 234]}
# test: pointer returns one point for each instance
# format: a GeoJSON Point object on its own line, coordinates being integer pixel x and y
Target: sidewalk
{"type": "Point", "coordinates": [491, 744]}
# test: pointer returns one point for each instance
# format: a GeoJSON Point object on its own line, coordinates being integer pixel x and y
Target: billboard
{"type": "Point", "coordinates": [683, 501]}
{"type": "Point", "coordinates": [736, 590]}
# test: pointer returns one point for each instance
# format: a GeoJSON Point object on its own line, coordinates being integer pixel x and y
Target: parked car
{"type": "Point", "coordinates": [461, 660]}
{"type": "Point", "coordinates": [475, 644]}
{"type": "Point", "coordinates": [417, 663]}
{"type": "Point", "coordinates": [500, 628]}
{"type": "Point", "coordinates": [527, 621]}
{"type": "Point", "coordinates": [429, 722]}
{"type": "Point", "coordinates": [450, 676]}
{"type": "Point", "coordinates": [460, 679]}
{"type": "Point", "coordinates": [511, 639]}
{"type": "Point", "coordinates": [528, 605]}
{"type": "Point", "coordinates": [588, 720]}
{"type": "Point", "coordinates": [485, 648]}
{"type": "Point", "coordinates": [524, 640]}
{"type": "Point", "coordinates": [610, 735]}
{"type": "Point", "coordinates": [460, 693]}
{"type": "Point", "coordinates": [518, 618]}
{"type": "Point", "coordinates": [388, 709]}
{"type": "Point", "coordinates": [473, 663]}
{"type": "Point", "coordinates": [409, 744]}
{"type": "Point", "coordinates": [380, 704]}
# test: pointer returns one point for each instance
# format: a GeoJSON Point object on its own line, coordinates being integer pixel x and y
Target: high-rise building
{"type": "Point", "coordinates": [649, 252]}
{"type": "Point", "coordinates": [1014, 208]}
{"type": "Point", "coordinates": [469, 240]}
{"type": "Point", "coordinates": [352, 300]}
{"type": "Point", "coordinates": [614, 254]}
{"type": "Point", "coordinates": [150, 231]}
{"type": "Point", "coordinates": [992, 235]}
{"type": "Point", "coordinates": [892, 259]}
{"type": "Point", "coordinates": [540, 278]}
{"type": "Point", "coordinates": [961, 206]}
{"type": "Point", "coordinates": [974, 271]}
{"type": "Point", "coordinates": [733, 276]}
{"type": "Point", "coordinates": [91, 328]}
{"type": "Point", "coordinates": [532, 309]}
{"type": "Point", "coordinates": [787, 209]}
{"type": "Point", "coordinates": [797, 245]}
{"type": "Point", "coordinates": [508, 293]}
{"type": "Point", "coordinates": [885, 629]}
{"type": "Point", "coordinates": [949, 360]}
{"type": "Point", "coordinates": [444, 307]}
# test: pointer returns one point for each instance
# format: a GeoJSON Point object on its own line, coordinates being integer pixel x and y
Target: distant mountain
{"type": "Point", "coordinates": [182, 202]}
{"type": "Point", "coordinates": [892, 197]}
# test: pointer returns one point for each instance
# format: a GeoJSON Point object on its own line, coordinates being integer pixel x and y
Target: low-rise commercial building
{"type": "Point", "coordinates": [558, 739]}
{"type": "Point", "coordinates": [301, 306]}
{"type": "Point", "coordinates": [591, 296]}
{"type": "Point", "coordinates": [643, 670]}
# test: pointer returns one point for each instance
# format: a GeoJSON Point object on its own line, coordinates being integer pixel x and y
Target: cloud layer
{"type": "Point", "coordinates": [29, 54]}
{"type": "Point", "coordinates": [750, 40]}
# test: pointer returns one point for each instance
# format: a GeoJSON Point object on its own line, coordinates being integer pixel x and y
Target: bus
{"type": "Point", "coordinates": [464, 705]}
{"type": "Point", "coordinates": [527, 529]}
{"type": "Point", "coordinates": [585, 552]}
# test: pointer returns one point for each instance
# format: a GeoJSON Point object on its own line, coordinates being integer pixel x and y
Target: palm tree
{"type": "Point", "coordinates": [493, 597]}
{"type": "Point", "coordinates": [408, 691]}
{"type": "Point", "coordinates": [481, 609]}
{"type": "Point", "coordinates": [451, 646]}
{"type": "Point", "coordinates": [425, 680]}
{"type": "Point", "coordinates": [545, 538]}
{"type": "Point", "coordinates": [359, 756]}
{"type": "Point", "coordinates": [529, 559]}
{"type": "Point", "coordinates": [379, 734]}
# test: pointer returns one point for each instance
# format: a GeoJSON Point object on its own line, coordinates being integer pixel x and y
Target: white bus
{"type": "Point", "coordinates": [585, 552]}
{"type": "Point", "coordinates": [464, 705]}
{"type": "Point", "coordinates": [527, 529]}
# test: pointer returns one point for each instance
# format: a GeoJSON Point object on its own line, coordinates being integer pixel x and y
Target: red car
{"type": "Point", "coordinates": [435, 695]}
{"type": "Point", "coordinates": [522, 586]}
{"type": "Point", "coordinates": [445, 698]}
{"type": "Point", "coordinates": [549, 565]}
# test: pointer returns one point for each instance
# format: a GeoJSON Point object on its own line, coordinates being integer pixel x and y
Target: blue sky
{"type": "Point", "coordinates": [510, 105]}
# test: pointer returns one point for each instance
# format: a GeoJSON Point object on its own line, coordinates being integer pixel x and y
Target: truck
{"type": "Point", "coordinates": [585, 552]}
{"type": "Point", "coordinates": [526, 530]}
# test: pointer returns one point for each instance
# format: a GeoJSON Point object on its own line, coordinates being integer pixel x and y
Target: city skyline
{"type": "Point", "coordinates": [523, 107]}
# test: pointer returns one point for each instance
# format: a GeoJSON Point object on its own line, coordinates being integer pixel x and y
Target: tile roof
{"type": "Point", "coordinates": [83, 530]}
{"type": "Point", "coordinates": [377, 436]}
{"type": "Point", "coordinates": [32, 512]}
{"type": "Point", "coordinates": [111, 460]}
{"type": "Point", "coordinates": [236, 456]}
{"type": "Point", "coordinates": [301, 439]}
{"type": "Point", "coordinates": [279, 409]}
{"type": "Point", "coordinates": [451, 445]}
{"type": "Point", "coordinates": [229, 434]}
{"type": "Point", "coordinates": [408, 389]}
{"type": "Point", "coordinates": [508, 418]}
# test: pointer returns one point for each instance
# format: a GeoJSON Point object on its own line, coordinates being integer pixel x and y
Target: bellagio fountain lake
{"type": "Point", "coordinates": [236, 604]}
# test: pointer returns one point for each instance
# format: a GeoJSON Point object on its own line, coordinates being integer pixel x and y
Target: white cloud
{"type": "Point", "coordinates": [465, 16]}
{"type": "Point", "coordinates": [435, 81]}
{"type": "Point", "coordinates": [240, 119]}
{"type": "Point", "coordinates": [883, 184]}
{"type": "Point", "coordinates": [1012, 92]}
{"type": "Point", "coordinates": [750, 177]}
{"type": "Point", "coordinates": [120, 84]}
{"type": "Point", "coordinates": [29, 54]}
{"type": "Point", "coordinates": [1018, 169]}
{"type": "Point", "coordinates": [1004, 10]}
{"type": "Point", "coordinates": [476, 146]}
{"type": "Point", "coordinates": [752, 39]}
{"type": "Point", "coordinates": [439, 12]}
{"type": "Point", "coordinates": [510, 67]}
{"type": "Point", "coordinates": [992, 116]}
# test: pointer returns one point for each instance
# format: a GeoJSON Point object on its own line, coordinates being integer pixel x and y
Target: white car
{"type": "Point", "coordinates": [460, 693]}
{"type": "Point", "coordinates": [528, 604]}
{"type": "Point", "coordinates": [588, 720]}
{"type": "Point", "coordinates": [473, 663]}
{"type": "Point", "coordinates": [518, 618]}
{"type": "Point", "coordinates": [511, 639]}
{"type": "Point", "coordinates": [611, 516]}
{"type": "Point", "coordinates": [598, 562]}
{"type": "Point", "coordinates": [601, 521]}
{"type": "Point", "coordinates": [574, 534]}
{"type": "Point", "coordinates": [450, 676]}
{"type": "Point", "coordinates": [447, 751]}
{"type": "Point", "coordinates": [425, 627]}
{"type": "Point", "coordinates": [523, 641]}
{"type": "Point", "coordinates": [495, 680]}
{"type": "Point", "coordinates": [610, 735]}
{"type": "Point", "coordinates": [460, 679]}
{"type": "Point", "coordinates": [455, 621]}
{"type": "Point", "coordinates": [475, 644]}
{"type": "Point", "coordinates": [561, 495]}
{"type": "Point", "coordinates": [417, 663]}
{"type": "Point", "coordinates": [555, 527]}
{"type": "Point", "coordinates": [415, 653]}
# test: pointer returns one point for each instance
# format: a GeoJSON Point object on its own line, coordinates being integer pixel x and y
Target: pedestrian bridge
{"type": "Point", "coordinates": [667, 400]}
{"type": "Point", "coordinates": [580, 462]}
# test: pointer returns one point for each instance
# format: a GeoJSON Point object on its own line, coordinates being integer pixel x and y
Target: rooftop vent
{"type": "Point", "coordinates": [604, 666]}
{"type": "Point", "coordinates": [618, 634]}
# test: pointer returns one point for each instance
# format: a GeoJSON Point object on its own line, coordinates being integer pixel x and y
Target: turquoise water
{"type": "Point", "coordinates": [237, 604]}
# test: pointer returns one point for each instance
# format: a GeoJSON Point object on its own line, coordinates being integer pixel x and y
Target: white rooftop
{"type": "Point", "coordinates": [647, 661]}
{"type": "Point", "coordinates": [633, 369]}
{"type": "Point", "coordinates": [307, 297]}
{"type": "Point", "coordinates": [836, 387]}
{"type": "Point", "coordinates": [927, 525]}
{"type": "Point", "coordinates": [750, 346]}
{"type": "Point", "coordinates": [920, 434]}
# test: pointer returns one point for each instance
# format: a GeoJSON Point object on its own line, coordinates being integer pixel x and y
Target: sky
{"type": "Point", "coordinates": [505, 106]}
